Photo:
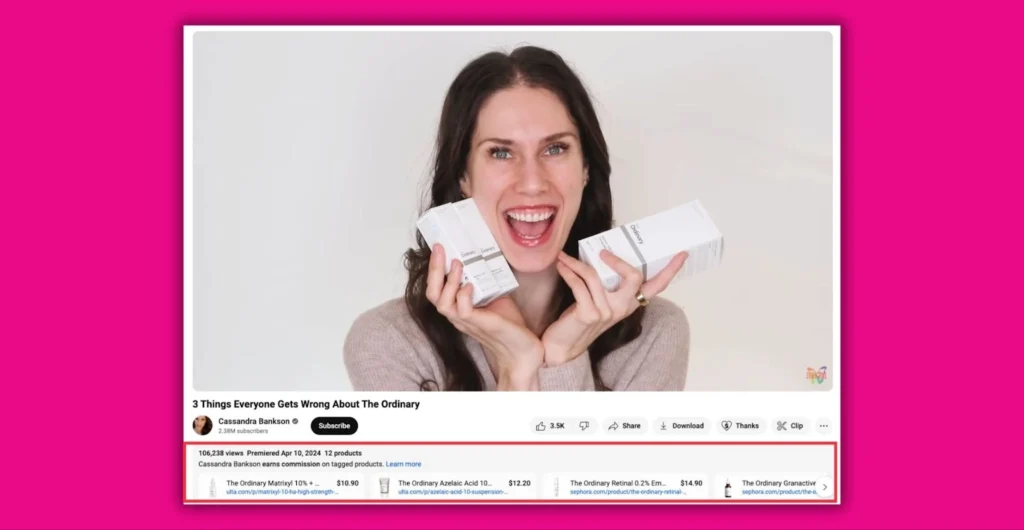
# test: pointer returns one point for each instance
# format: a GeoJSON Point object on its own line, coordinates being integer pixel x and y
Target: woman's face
{"type": "Point", "coordinates": [526, 174]}
{"type": "Point", "coordinates": [200, 423]}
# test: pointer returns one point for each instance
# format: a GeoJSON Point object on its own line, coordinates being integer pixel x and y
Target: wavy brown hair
{"type": "Point", "coordinates": [207, 427]}
{"type": "Point", "coordinates": [525, 66]}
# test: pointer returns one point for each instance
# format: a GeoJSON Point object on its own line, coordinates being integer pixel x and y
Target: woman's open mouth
{"type": "Point", "coordinates": [530, 226]}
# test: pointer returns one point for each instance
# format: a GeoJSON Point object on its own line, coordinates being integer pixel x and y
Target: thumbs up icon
{"type": "Point", "coordinates": [541, 427]}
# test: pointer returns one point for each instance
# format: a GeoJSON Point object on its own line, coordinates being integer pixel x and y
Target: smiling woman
{"type": "Point", "coordinates": [519, 135]}
{"type": "Point", "coordinates": [202, 425]}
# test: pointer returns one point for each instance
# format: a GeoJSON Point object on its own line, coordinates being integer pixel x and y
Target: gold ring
{"type": "Point", "coordinates": [640, 298]}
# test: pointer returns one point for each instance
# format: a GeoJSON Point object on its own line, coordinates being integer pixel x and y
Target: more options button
{"type": "Point", "coordinates": [328, 426]}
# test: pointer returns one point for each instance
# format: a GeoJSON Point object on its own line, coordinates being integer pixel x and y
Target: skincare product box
{"type": "Point", "coordinates": [650, 244]}
{"type": "Point", "coordinates": [481, 236]}
{"type": "Point", "coordinates": [443, 225]}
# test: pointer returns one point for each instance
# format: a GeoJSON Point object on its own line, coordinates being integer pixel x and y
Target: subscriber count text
{"type": "Point", "coordinates": [795, 472]}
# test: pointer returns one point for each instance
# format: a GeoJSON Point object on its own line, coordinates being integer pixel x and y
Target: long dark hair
{"type": "Point", "coordinates": [525, 66]}
{"type": "Point", "coordinates": [207, 427]}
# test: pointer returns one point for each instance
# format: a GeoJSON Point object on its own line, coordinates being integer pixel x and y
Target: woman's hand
{"type": "Point", "coordinates": [596, 309]}
{"type": "Point", "coordinates": [513, 351]}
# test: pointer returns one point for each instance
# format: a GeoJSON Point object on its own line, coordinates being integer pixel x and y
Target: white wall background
{"type": "Point", "coordinates": [311, 152]}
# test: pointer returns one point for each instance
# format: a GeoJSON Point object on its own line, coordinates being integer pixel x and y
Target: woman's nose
{"type": "Point", "coordinates": [532, 178]}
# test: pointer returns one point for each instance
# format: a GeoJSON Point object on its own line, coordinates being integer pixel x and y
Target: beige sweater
{"type": "Point", "coordinates": [386, 351]}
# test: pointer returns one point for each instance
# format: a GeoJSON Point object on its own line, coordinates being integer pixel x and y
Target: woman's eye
{"type": "Point", "coordinates": [500, 153]}
{"type": "Point", "coordinates": [556, 149]}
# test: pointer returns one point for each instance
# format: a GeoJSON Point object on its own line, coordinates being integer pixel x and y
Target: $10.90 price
{"type": "Point", "coordinates": [344, 483]}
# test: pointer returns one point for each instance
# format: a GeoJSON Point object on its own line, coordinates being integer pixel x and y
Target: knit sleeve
{"type": "Point", "coordinates": [379, 357]}
{"type": "Point", "coordinates": [663, 354]}
{"type": "Point", "coordinates": [575, 375]}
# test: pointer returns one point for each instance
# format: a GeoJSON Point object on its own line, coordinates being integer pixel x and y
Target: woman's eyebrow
{"type": "Point", "coordinates": [558, 135]}
{"type": "Point", "coordinates": [548, 138]}
{"type": "Point", "coordinates": [501, 141]}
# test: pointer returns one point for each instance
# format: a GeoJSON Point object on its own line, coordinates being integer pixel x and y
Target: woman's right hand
{"type": "Point", "coordinates": [514, 352]}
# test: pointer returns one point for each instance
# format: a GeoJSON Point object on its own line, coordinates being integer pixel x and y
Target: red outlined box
{"type": "Point", "coordinates": [833, 500]}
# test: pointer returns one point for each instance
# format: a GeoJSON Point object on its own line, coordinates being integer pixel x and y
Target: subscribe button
{"type": "Point", "coordinates": [334, 426]}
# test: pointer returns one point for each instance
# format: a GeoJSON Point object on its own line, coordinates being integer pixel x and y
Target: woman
{"type": "Point", "coordinates": [519, 135]}
{"type": "Point", "coordinates": [202, 425]}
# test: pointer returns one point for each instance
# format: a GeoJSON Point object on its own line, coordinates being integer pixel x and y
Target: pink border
{"type": "Point", "coordinates": [90, 210]}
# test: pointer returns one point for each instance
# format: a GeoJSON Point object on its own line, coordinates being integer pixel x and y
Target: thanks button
{"type": "Point", "coordinates": [741, 426]}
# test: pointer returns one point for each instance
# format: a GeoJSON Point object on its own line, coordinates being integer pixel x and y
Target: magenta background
{"type": "Point", "coordinates": [91, 301]}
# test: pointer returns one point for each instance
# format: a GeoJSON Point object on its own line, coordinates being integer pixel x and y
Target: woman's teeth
{"type": "Point", "coordinates": [531, 217]}
{"type": "Point", "coordinates": [530, 224]}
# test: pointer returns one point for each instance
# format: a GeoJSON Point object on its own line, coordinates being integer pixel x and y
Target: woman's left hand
{"type": "Point", "coordinates": [596, 309]}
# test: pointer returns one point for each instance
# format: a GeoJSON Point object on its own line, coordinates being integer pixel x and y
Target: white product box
{"type": "Point", "coordinates": [442, 225]}
{"type": "Point", "coordinates": [481, 235]}
{"type": "Point", "coordinates": [650, 244]}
